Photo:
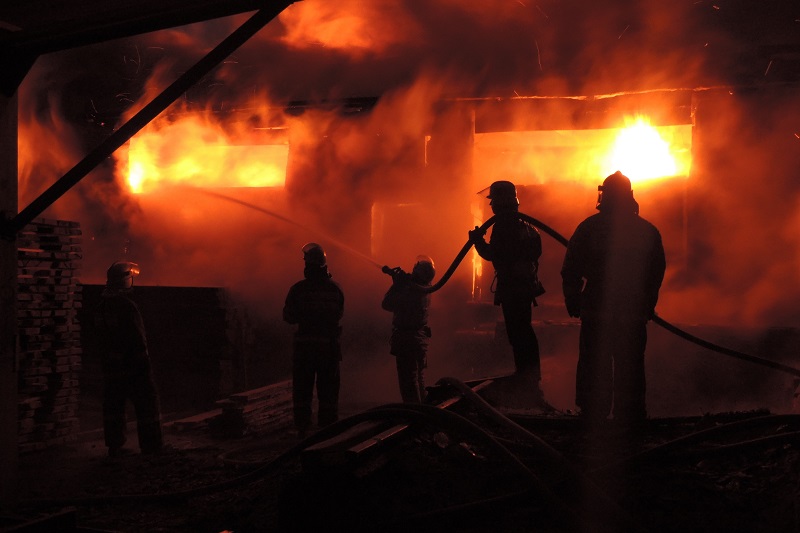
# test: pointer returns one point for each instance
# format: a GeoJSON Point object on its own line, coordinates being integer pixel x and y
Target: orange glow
{"type": "Point", "coordinates": [577, 159]}
{"type": "Point", "coordinates": [477, 274]}
{"type": "Point", "coordinates": [193, 152]}
{"type": "Point", "coordinates": [350, 26]}
{"type": "Point", "coordinates": [639, 150]}
{"type": "Point", "coordinates": [477, 262]}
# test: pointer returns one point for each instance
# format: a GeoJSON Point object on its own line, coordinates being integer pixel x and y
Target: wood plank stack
{"type": "Point", "coordinates": [254, 412]}
{"type": "Point", "coordinates": [49, 347]}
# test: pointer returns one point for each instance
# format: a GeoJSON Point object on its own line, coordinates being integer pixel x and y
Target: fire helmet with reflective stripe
{"type": "Point", "coordinates": [615, 192]}
{"type": "Point", "coordinates": [120, 275]}
{"type": "Point", "coordinates": [423, 271]}
{"type": "Point", "coordinates": [314, 255]}
{"type": "Point", "coordinates": [503, 193]}
{"type": "Point", "coordinates": [616, 183]}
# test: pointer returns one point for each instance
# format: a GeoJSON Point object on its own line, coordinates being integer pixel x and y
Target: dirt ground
{"type": "Point", "coordinates": [733, 472]}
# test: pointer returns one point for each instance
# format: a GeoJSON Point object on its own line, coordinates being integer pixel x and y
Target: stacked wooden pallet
{"type": "Point", "coordinates": [48, 297]}
{"type": "Point", "coordinates": [254, 412]}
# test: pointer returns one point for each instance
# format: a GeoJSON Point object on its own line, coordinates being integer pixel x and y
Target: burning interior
{"type": "Point", "coordinates": [189, 151]}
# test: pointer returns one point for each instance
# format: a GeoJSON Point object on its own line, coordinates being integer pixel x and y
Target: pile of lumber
{"type": "Point", "coordinates": [48, 298]}
{"type": "Point", "coordinates": [254, 412]}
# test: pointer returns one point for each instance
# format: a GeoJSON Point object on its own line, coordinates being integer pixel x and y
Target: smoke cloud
{"type": "Point", "coordinates": [374, 187]}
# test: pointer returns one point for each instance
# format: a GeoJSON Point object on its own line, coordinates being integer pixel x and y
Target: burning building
{"type": "Point", "coordinates": [373, 128]}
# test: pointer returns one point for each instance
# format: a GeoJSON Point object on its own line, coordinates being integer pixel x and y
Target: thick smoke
{"type": "Point", "coordinates": [361, 184]}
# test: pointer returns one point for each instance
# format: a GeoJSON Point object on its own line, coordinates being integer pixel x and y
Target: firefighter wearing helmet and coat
{"type": "Point", "coordinates": [611, 275]}
{"type": "Point", "coordinates": [316, 305]}
{"type": "Point", "coordinates": [408, 301]}
{"type": "Point", "coordinates": [126, 364]}
{"type": "Point", "coordinates": [514, 249]}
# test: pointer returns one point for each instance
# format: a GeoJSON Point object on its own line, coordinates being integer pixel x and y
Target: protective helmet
{"type": "Point", "coordinates": [423, 271]}
{"type": "Point", "coordinates": [616, 189]}
{"type": "Point", "coordinates": [503, 193]}
{"type": "Point", "coordinates": [120, 275]}
{"type": "Point", "coordinates": [314, 255]}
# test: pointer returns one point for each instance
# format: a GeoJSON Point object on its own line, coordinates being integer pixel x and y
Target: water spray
{"type": "Point", "coordinates": [332, 240]}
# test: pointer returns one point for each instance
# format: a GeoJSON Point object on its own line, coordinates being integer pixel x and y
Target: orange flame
{"type": "Point", "coordinates": [642, 154]}
{"type": "Point", "coordinates": [639, 150]}
{"type": "Point", "coordinates": [190, 151]}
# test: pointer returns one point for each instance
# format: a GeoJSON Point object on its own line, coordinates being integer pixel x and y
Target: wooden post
{"type": "Point", "coordinates": [8, 301]}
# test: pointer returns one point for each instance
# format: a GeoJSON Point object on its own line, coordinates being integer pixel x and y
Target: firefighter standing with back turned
{"type": "Point", "coordinates": [621, 258]}
{"type": "Point", "coordinates": [126, 364]}
{"type": "Point", "coordinates": [514, 249]}
{"type": "Point", "coordinates": [316, 305]}
{"type": "Point", "coordinates": [409, 303]}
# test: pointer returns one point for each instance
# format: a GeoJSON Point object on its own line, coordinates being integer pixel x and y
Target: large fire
{"type": "Point", "coordinates": [641, 151]}
{"type": "Point", "coordinates": [193, 152]}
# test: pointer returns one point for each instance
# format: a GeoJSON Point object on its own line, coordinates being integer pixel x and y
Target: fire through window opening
{"type": "Point", "coordinates": [176, 156]}
{"type": "Point", "coordinates": [578, 159]}
{"type": "Point", "coordinates": [173, 156]}
{"type": "Point", "coordinates": [640, 150]}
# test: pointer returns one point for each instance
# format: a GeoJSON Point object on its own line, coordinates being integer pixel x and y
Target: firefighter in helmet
{"type": "Point", "coordinates": [408, 302]}
{"type": "Point", "coordinates": [126, 364]}
{"type": "Point", "coordinates": [316, 305]}
{"type": "Point", "coordinates": [514, 249]}
{"type": "Point", "coordinates": [611, 275]}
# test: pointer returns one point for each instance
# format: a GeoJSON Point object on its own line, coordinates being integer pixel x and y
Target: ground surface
{"type": "Point", "coordinates": [735, 472]}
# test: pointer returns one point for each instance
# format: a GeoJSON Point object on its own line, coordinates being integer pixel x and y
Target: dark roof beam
{"type": "Point", "coordinates": [24, 36]}
{"type": "Point", "coordinates": [11, 227]}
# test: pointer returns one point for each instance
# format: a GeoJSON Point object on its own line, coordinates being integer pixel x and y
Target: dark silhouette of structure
{"type": "Point", "coordinates": [316, 305]}
{"type": "Point", "coordinates": [611, 276]}
{"type": "Point", "coordinates": [409, 302]}
{"type": "Point", "coordinates": [126, 364]}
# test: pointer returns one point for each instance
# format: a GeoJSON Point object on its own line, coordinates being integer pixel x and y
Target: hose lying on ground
{"type": "Point", "coordinates": [563, 498]}
{"type": "Point", "coordinates": [686, 446]}
{"type": "Point", "coordinates": [570, 482]}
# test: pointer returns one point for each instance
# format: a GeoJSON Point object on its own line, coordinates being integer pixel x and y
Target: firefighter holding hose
{"type": "Point", "coordinates": [514, 249]}
{"type": "Point", "coordinates": [408, 302]}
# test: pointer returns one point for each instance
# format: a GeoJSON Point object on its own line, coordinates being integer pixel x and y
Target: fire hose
{"type": "Point", "coordinates": [656, 319]}
{"type": "Point", "coordinates": [555, 235]}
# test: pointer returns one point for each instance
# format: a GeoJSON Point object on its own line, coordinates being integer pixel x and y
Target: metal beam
{"type": "Point", "coordinates": [194, 74]}
{"type": "Point", "coordinates": [44, 26]}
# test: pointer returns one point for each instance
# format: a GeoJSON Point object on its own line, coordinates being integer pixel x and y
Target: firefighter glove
{"type": "Point", "coordinates": [476, 235]}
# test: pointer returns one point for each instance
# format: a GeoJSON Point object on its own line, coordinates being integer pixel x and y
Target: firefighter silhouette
{"type": "Point", "coordinates": [612, 272]}
{"type": "Point", "coordinates": [409, 302]}
{"type": "Point", "coordinates": [126, 364]}
{"type": "Point", "coordinates": [514, 249]}
{"type": "Point", "coordinates": [316, 305]}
